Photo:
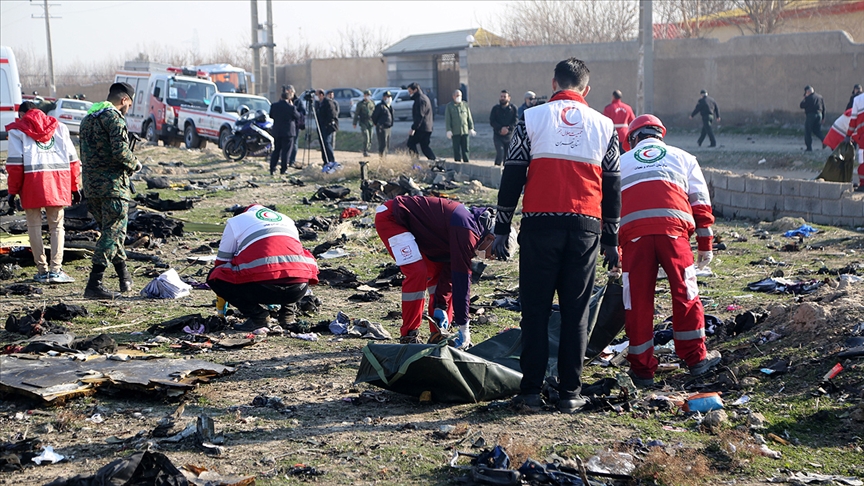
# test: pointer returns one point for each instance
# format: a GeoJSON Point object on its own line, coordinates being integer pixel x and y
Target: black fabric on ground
{"type": "Point", "coordinates": [330, 193]}
{"type": "Point", "coordinates": [139, 469]}
{"type": "Point", "coordinates": [64, 312]}
{"type": "Point", "coordinates": [338, 277]}
{"type": "Point", "coordinates": [154, 224]}
{"type": "Point", "coordinates": [176, 325]}
{"type": "Point", "coordinates": [102, 344]}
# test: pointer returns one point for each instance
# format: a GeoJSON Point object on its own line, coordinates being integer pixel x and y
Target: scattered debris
{"type": "Point", "coordinates": [168, 285]}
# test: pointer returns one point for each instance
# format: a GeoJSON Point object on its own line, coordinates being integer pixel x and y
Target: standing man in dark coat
{"type": "Point", "coordinates": [503, 120]}
{"type": "Point", "coordinates": [285, 118]}
{"type": "Point", "coordinates": [301, 125]}
{"type": "Point", "coordinates": [814, 112]}
{"type": "Point", "coordinates": [382, 117]}
{"type": "Point", "coordinates": [421, 128]}
{"type": "Point", "coordinates": [707, 107]}
{"type": "Point", "coordinates": [856, 90]}
{"type": "Point", "coordinates": [328, 123]}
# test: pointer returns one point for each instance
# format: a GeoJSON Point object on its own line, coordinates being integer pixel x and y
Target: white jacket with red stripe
{"type": "Point", "coordinates": [856, 121]}
{"type": "Point", "coordinates": [262, 245]}
{"type": "Point", "coordinates": [43, 174]}
{"type": "Point", "coordinates": [663, 192]}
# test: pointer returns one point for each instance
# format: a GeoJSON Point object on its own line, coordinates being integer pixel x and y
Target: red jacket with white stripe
{"type": "Point", "coordinates": [621, 115]}
{"type": "Point", "coordinates": [663, 192]}
{"type": "Point", "coordinates": [43, 165]}
{"type": "Point", "coordinates": [856, 121]}
{"type": "Point", "coordinates": [261, 245]}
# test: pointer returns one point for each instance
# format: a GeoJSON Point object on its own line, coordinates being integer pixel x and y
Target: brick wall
{"type": "Point", "coordinates": [749, 196]}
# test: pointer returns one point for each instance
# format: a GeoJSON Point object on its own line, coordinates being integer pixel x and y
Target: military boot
{"type": "Point", "coordinates": [124, 275]}
{"type": "Point", "coordinates": [94, 288]}
{"type": "Point", "coordinates": [286, 316]}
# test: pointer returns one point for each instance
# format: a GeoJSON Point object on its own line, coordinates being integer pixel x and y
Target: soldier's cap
{"type": "Point", "coordinates": [124, 88]}
{"type": "Point", "coordinates": [857, 86]}
{"type": "Point", "coordinates": [703, 92]}
{"type": "Point", "coordinates": [387, 94]}
{"type": "Point", "coordinates": [808, 88]}
{"type": "Point", "coordinates": [530, 94]}
{"type": "Point", "coordinates": [367, 92]}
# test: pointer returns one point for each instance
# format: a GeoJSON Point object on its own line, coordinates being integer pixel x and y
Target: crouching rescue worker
{"type": "Point", "coordinates": [433, 240]}
{"type": "Point", "coordinates": [664, 199]}
{"type": "Point", "coordinates": [261, 262]}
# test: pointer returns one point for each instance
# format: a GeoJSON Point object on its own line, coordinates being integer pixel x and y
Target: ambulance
{"type": "Point", "coordinates": [168, 101]}
{"type": "Point", "coordinates": [10, 92]}
{"type": "Point", "coordinates": [228, 78]}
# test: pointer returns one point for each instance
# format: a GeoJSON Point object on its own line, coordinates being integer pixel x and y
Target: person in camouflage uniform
{"type": "Point", "coordinates": [107, 163]}
{"type": "Point", "coordinates": [363, 115]}
{"type": "Point", "coordinates": [459, 124]}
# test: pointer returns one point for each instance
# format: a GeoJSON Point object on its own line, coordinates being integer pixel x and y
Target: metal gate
{"type": "Point", "coordinates": [448, 77]}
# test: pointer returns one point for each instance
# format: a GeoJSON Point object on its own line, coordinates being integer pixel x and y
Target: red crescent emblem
{"type": "Point", "coordinates": [648, 153]}
{"type": "Point", "coordinates": [564, 116]}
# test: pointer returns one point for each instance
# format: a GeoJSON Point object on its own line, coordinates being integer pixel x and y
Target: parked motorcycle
{"type": "Point", "coordinates": [250, 136]}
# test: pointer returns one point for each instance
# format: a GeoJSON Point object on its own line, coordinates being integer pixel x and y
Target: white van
{"type": "Point", "coordinates": [10, 92]}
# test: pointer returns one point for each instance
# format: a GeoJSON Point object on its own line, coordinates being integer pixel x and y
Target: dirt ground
{"type": "Point", "coordinates": [358, 434]}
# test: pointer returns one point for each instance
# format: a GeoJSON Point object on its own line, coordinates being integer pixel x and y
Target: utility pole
{"type": "Point", "coordinates": [645, 75]}
{"type": "Point", "coordinates": [271, 55]}
{"type": "Point", "coordinates": [52, 88]}
{"type": "Point", "coordinates": [256, 47]}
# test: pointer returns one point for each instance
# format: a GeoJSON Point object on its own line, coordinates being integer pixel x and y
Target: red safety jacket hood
{"type": "Point", "coordinates": [566, 94]}
{"type": "Point", "coordinates": [36, 125]}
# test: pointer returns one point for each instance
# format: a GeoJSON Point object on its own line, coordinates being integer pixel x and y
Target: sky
{"type": "Point", "coordinates": [90, 31]}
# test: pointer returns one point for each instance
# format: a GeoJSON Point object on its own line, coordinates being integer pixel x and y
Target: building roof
{"type": "Point", "coordinates": [443, 41]}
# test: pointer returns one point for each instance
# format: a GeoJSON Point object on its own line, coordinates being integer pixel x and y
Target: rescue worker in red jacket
{"type": "Point", "coordinates": [44, 170]}
{"type": "Point", "coordinates": [621, 115]}
{"type": "Point", "coordinates": [565, 156]}
{"type": "Point", "coordinates": [664, 200]}
{"type": "Point", "coordinates": [855, 133]}
{"type": "Point", "coordinates": [261, 262]}
{"type": "Point", "coordinates": [433, 241]}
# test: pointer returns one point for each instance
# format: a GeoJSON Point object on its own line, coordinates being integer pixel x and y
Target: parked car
{"type": "Point", "coordinates": [70, 112]}
{"type": "Point", "coordinates": [217, 123]}
{"type": "Point", "coordinates": [343, 98]}
{"type": "Point", "coordinates": [376, 95]}
{"type": "Point", "coordinates": [402, 103]}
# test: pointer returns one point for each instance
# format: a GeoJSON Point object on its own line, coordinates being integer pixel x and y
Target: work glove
{"type": "Point", "coordinates": [610, 255]}
{"type": "Point", "coordinates": [501, 247]}
{"type": "Point", "coordinates": [76, 197]}
{"type": "Point", "coordinates": [473, 133]}
{"type": "Point", "coordinates": [440, 317]}
{"type": "Point", "coordinates": [463, 338]}
{"type": "Point", "coordinates": [703, 258]}
{"type": "Point", "coordinates": [449, 134]}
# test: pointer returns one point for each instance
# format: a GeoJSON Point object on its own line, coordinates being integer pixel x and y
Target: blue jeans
{"type": "Point", "coordinates": [327, 145]}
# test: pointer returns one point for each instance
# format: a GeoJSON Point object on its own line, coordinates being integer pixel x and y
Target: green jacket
{"type": "Point", "coordinates": [106, 160]}
{"type": "Point", "coordinates": [363, 113]}
{"type": "Point", "coordinates": [457, 118]}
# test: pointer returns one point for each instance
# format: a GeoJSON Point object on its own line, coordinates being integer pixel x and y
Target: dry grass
{"type": "Point", "coordinates": [518, 451]}
{"type": "Point", "coordinates": [688, 468]}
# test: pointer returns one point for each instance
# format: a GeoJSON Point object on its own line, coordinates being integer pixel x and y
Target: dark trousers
{"type": "Point", "coordinates": [460, 148]}
{"type": "Point", "coordinates": [252, 298]}
{"type": "Point", "coordinates": [111, 214]}
{"type": "Point", "coordinates": [327, 145]}
{"type": "Point", "coordinates": [706, 130]}
{"type": "Point", "coordinates": [423, 139]}
{"type": "Point", "coordinates": [383, 139]}
{"type": "Point", "coordinates": [282, 147]}
{"type": "Point", "coordinates": [550, 261]}
{"type": "Point", "coordinates": [502, 145]}
{"type": "Point", "coordinates": [812, 126]}
{"type": "Point", "coordinates": [292, 157]}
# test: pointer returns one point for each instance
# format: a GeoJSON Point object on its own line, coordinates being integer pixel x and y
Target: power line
{"type": "Point", "coordinates": [47, 16]}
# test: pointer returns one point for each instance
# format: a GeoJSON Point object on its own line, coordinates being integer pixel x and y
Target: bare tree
{"type": "Point", "coordinates": [765, 15]}
{"type": "Point", "coordinates": [362, 41]}
{"type": "Point", "coordinates": [687, 18]}
{"type": "Point", "coordinates": [541, 22]}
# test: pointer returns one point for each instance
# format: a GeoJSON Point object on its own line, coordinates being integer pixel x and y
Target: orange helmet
{"type": "Point", "coordinates": [647, 125]}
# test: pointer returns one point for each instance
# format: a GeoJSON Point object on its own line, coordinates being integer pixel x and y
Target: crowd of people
{"type": "Point", "coordinates": [591, 184]}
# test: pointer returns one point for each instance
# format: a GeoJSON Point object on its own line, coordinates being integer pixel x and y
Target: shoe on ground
{"type": "Point", "coordinates": [42, 277]}
{"type": "Point", "coordinates": [527, 402]}
{"type": "Point", "coordinates": [99, 292]}
{"type": "Point", "coordinates": [571, 405]}
{"type": "Point", "coordinates": [59, 277]}
{"type": "Point", "coordinates": [641, 382]}
{"type": "Point", "coordinates": [413, 337]}
{"type": "Point", "coordinates": [252, 324]}
{"type": "Point", "coordinates": [711, 360]}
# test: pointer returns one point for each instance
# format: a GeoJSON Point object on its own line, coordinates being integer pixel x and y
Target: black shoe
{"type": "Point", "coordinates": [713, 145]}
{"type": "Point", "coordinates": [413, 337]}
{"type": "Point", "coordinates": [124, 276]}
{"type": "Point", "coordinates": [286, 315]}
{"type": "Point", "coordinates": [252, 323]}
{"type": "Point", "coordinates": [94, 288]}
{"type": "Point", "coordinates": [571, 405]}
{"type": "Point", "coordinates": [712, 359]}
{"type": "Point", "coordinates": [527, 402]}
{"type": "Point", "coordinates": [365, 154]}
{"type": "Point", "coordinates": [641, 382]}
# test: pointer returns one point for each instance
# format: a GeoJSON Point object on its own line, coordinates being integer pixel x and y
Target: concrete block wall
{"type": "Point", "coordinates": [748, 196]}
{"type": "Point", "coordinates": [489, 176]}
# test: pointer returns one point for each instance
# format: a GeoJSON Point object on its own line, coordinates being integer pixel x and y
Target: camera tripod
{"type": "Point", "coordinates": [312, 114]}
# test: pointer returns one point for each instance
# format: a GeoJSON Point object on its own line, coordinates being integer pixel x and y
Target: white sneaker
{"type": "Point", "coordinates": [42, 277]}
{"type": "Point", "coordinates": [59, 277]}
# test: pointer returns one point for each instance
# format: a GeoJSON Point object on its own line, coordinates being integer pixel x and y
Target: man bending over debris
{"type": "Point", "coordinates": [107, 163]}
{"type": "Point", "coordinates": [433, 240]}
{"type": "Point", "coordinates": [261, 262]}
{"type": "Point", "coordinates": [664, 199]}
{"type": "Point", "coordinates": [45, 172]}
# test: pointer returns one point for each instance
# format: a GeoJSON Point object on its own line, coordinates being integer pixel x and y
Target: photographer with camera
{"type": "Point", "coordinates": [285, 119]}
{"type": "Point", "coordinates": [328, 123]}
